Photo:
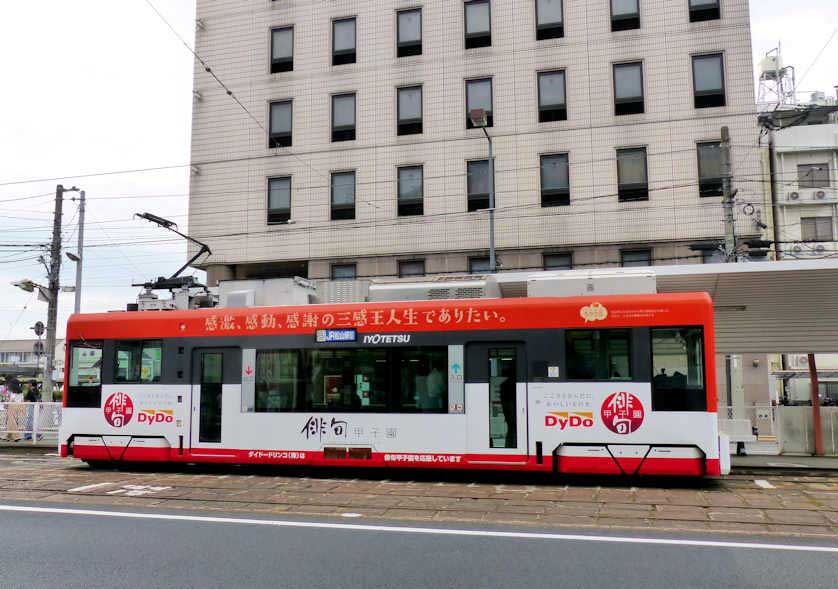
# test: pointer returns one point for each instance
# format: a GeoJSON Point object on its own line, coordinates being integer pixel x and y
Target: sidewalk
{"type": "Point", "coordinates": [785, 461]}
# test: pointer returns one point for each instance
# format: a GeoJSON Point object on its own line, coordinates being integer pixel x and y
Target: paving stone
{"type": "Point", "coordinates": [417, 514]}
{"type": "Point", "coordinates": [796, 516]}
{"type": "Point", "coordinates": [739, 527]}
{"type": "Point", "coordinates": [796, 530]}
{"type": "Point", "coordinates": [680, 512]}
{"type": "Point", "coordinates": [735, 515]}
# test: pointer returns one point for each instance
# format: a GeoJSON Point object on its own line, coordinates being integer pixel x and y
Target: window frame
{"type": "Point", "coordinates": [659, 400]}
{"type": "Point", "coordinates": [409, 48]}
{"type": "Point", "coordinates": [476, 40]}
{"type": "Point", "coordinates": [410, 126]}
{"type": "Point", "coordinates": [548, 268]}
{"type": "Point", "coordinates": [710, 186]}
{"type": "Point", "coordinates": [280, 140]}
{"type": "Point", "coordinates": [345, 56]}
{"type": "Point", "coordinates": [817, 224]}
{"type": "Point", "coordinates": [647, 251]}
{"type": "Point", "coordinates": [344, 133]}
{"type": "Point", "coordinates": [279, 216]}
{"type": "Point", "coordinates": [633, 192]}
{"type": "Point", "coordinates": [410, 207]}
{"type": "Point", "coordinates": [335, 210]}
{"type": "Point", "coordinates": [474, 261]}
{"type": "Point", "coordinates": [547, 31]}
{"type": "Point", "coordinates": [706, 12]}
{"type": "Point", "coordinates": [473, 201]}
{"type": "Point", "coordinates": [629, 106]}
{"type": "Point", "coordinates": [402, 263]}
{"type": "Point", "coordinates": [811, 183]}
{"type": "Point", "coordinates": [281, 66]}
{"type": "Point", "coordinates": [80, 395]}
{"type": "Point", "coordinates": [490, 114]}
{"type": "Point", "coordinates": [143, 344]}
{"type": "Point", "coordinates": [353, 265]}
{"type": "Point", "coordinates": [554, 198]}
{"type": "Point", "coordinates": [628, 22]}
{"type": "Point", "coordinates": [709, 98]}
{"type": "Point", "coordinates": [569, 366]}
{"type": "Point", "coordinates": [552, 113]}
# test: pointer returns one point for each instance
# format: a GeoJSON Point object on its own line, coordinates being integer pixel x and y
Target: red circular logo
{"type": "Point", "coordinates": [622, 413]}
{"type": "Point", "coordinates": [119, 409]}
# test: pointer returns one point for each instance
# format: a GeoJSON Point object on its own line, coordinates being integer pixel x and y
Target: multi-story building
{"type": "Point", "coordinates": [352, 152]}
{"type": "Point", "coordinates": [18, 357]}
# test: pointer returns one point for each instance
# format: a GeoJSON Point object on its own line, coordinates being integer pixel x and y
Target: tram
{"type": "Point", "coordinates": [620, 385]}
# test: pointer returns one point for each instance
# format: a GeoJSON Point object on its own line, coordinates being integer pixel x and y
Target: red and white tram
{"type": "Point", "coordinates": [611, 385]}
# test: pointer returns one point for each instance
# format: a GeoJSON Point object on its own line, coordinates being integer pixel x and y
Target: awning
{"type": "Point", "coordinates": [761, 307]}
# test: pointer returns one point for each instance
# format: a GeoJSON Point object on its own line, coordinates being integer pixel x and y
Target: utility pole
{"type": "Point", "coordinates": [775, 207]}
{"type": "Point", "coordinates": [727, 200]}
{"type": "Point", "coordinates": [52, 289]}
{"type": "Point", "coordinates": [79, 254]}
{"type": "Point", "coordinates": [493, 265]}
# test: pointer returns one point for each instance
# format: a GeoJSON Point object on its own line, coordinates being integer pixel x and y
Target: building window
{"type": "Point", "coordinates": [701, 10]}
{"type": "Point", "coordinates": [478, 16]}
{"type": "Point", "coordinates": [598, 354]}
{"type": "Point", "coordinates": [343, 41]}
{"type": "Point", "coordinates": [279, 200]}
{"type": "Point", "coordinates": [343, 117]}
{"type": "Point", "coordinates": [282, 50]}
{"type": "Point", "coordinates": [628, 88]}
{"type": "Point", "coordinates": [558, 261]}
{"type": "Point", "coordinates": [710, 169]}
{"type": "Point", "coordinates": [344, 272]}
{"type": "Point", "coordinates": [635, 258]}
{"type": "Point", "coordinates": [479, 96]}
{"type": "Point", "coordinates": [813, 175]}
{"type": "Point", "coordinates": [343, 195]}
{"type": "Point", "coordinates": [549, 19]}
{"type": "Point", "coordinates": [708, 80]}
{"type": "Point", "coordinates": [409, 24]}
{"type": "Point", "coordinates": [410, 110]}
{"type": "Point", "coordinates": [678, 369]}
{"type": "Point", "coordinates": [816, 229]}
{"type": "Point", "coordinates": [411, 268]}
{"type": "Point", "coordinates": [411, 192]}
{"type": "Point", "coordinates": [552, 102]}
{"type": "Point", "coordinates": [555, 180]}
{"type": "Point", "coordinates": [478, 182]}
{"type": "Point", "coordinates": [478, 265]}
{"type": "Point", "coordinates": [281, 124]}
{"type": "Point", "coordinates": [632, 178]}
{"type": "Point", "coordinates": [625, 15]}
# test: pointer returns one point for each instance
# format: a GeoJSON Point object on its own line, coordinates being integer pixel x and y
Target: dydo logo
{"type": "Point", "coordinates": [569, 419]}
{"type": "Point", "coordinates": [152, 416]}
{"type": "Point", "coordinates": [622, 413]}
{"type": "Point", "coordinates": [119, 409]}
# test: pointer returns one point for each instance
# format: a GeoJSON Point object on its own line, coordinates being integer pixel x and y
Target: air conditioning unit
{"type": "Point", "coordinates": [794, 195]}
{"type": "Point", "coordinates": [435, 288]}
{"type": "Point", "coordinates": [820, 195]}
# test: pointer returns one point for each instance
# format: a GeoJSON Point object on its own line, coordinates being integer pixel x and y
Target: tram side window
{"type": "Point", "coordinates": [375, 380]}
{"type": "Point", "coordinates": [678, 368]}
{"type": "Point", "coordinates": [138, 361]}
{"type": "Point", "coordinates": [84, 386]}
{"type": "Point", "coordinates": [598, 354]}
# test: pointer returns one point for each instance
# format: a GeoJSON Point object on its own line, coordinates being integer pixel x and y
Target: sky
{"type": "Point", "coordinates": [95, 86]}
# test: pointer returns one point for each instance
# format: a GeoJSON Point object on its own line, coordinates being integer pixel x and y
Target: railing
{"type": "Point", "coordinates": [29, 422]}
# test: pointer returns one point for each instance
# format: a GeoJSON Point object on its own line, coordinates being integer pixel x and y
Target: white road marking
{"type": "Point", "coordinates": [789, 464]}
{"type": "Point", "coordinates": [351, 515]}
{"type": "Point", "coordinates": [89, 487]}
{"type": "Point", "coordinates": [764, 484]}
{"type": "Point", "coordinates": [415, 530]}
{"type": "Point", "coordinates": [137, 490]}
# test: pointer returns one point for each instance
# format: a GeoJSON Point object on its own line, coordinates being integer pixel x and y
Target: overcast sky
{"type": "Point", "coordinates": [102, 85]}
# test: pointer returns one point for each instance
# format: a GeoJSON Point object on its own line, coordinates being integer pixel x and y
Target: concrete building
{"type": "Point", "coordinates": [18, 357]}
{"type": "Point", "coordinates": [355, 157]}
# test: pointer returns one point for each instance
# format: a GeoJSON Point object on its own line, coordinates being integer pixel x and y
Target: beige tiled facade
{"type": "Point", "coordinates": [232, 161]}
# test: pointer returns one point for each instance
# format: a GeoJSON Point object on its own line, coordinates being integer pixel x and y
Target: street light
{"type": "Point", "coordinates": [480, 119]}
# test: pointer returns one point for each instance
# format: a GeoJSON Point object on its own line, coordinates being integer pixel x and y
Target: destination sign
{"type": "Point", "coordinates": [332, 336]}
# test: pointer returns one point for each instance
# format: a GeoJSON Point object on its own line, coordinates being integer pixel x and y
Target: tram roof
{"type": "Point", "coordinates": [766, 307]}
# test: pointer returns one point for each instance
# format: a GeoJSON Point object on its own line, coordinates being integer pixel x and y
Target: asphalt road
{"type": "Point", "coordinates": [60, 549]}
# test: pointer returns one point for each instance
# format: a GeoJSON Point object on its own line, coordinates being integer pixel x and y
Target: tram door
{"type": "Point", "coordinates": [216, 382]}
{"type": "Point", "coordinates": [496, 373]}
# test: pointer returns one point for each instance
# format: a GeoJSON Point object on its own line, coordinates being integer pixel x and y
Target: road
{"type": "Point", "coordinates": [97, 548]}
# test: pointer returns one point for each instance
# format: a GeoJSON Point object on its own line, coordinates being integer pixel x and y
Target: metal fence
{"type": "Point", "coordinates": [29, 422]}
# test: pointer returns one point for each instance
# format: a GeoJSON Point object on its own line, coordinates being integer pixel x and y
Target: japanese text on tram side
{"type": "Point", "coordinates": [426, 458]}
{"type": "Point", "coordinates": [362, 318]}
